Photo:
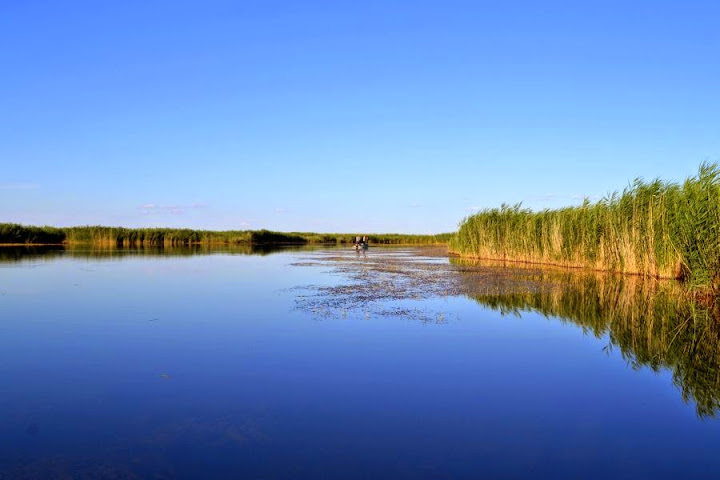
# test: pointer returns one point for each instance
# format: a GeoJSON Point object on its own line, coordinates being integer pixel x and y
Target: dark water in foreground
{"type": "Point", "coordinates": [327, 364]}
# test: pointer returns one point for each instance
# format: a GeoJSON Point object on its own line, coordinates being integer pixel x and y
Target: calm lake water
{"type": "Point", "coordinates": [326, 363]}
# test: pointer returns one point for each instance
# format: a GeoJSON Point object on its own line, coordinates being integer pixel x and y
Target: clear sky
{"type": "Point", "coordinates": [351, 116]}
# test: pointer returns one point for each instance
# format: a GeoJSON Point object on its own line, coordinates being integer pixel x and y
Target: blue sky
{"type": "Point", "coordinates": [375, 116]}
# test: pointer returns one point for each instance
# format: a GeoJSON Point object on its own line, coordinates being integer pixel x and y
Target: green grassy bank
{"type": "Point", "coordinates": [11, 233]}
{"type": "Point", "coordinates": [656, 228]}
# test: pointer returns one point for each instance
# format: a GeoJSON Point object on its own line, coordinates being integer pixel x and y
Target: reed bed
{"type": "Point", "coordinates": [657, 229]}
{"type": "Point", "coordinates": [131, 237]}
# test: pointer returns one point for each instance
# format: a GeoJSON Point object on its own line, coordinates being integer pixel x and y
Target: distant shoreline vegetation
{"type": "Point", "coordinates": [655, 229]}
{"type": "Point", "coordinates": [15, 234]}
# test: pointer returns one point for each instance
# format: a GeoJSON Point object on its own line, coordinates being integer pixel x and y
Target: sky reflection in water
{"type": "Point", "coordinates": [328, 364]}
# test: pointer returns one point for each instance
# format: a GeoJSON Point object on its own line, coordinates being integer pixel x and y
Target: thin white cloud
{"type": "Point", "coordinates": [151, 208]}
{"type": "Point", "coordinates": [592, 198]}
{"type": "Point", "coordinates": [545, 197]}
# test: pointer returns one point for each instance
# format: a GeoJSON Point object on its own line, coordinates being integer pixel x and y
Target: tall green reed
{"type": "Point", "coordinates": [656, 228]}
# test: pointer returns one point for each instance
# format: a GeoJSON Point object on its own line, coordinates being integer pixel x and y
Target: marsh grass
{"type": "Point", "coordinates": [132, 237]}
{"type": "Point", "coordinates": [657, 229]}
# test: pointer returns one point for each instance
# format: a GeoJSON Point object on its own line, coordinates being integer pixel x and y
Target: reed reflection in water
{"type": "Point", "coordinates": [10, 254]}
{"type": "Point", "coordinates": [655, 324]}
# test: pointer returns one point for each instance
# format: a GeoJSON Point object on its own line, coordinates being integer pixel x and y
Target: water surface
{"type": "Point", "coordinates": [326, 363]}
